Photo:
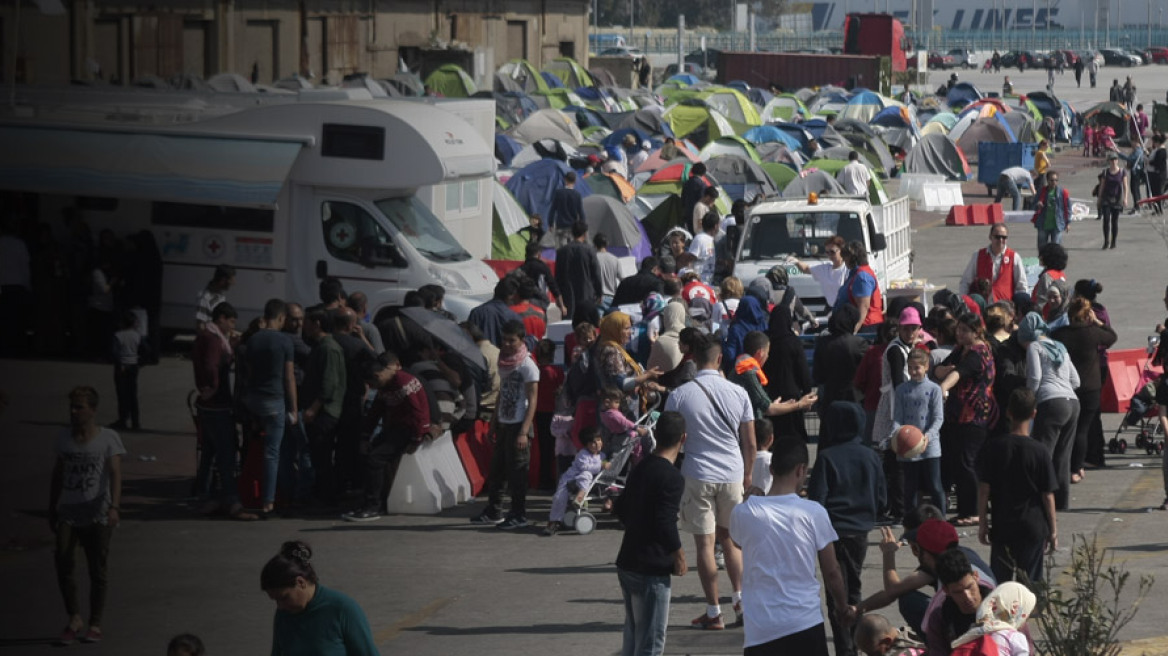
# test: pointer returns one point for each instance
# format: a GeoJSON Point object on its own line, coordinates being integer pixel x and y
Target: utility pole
{"type": "Point", "coordinates": [680, 46]}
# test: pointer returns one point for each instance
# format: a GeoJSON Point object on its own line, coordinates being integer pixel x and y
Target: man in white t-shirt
{"type": "Point", "coordinates": [702, 246]}
{"type": "Point", "coordinates": [782, 536]}
{"type": "Point", "coordinates": [830, 274]}
{"type": "Point", "coordinates": [703, 207]}
{"type": "Point", "coordinates": [84, 507]}
{"type": "Point", "coordinates": [855, 176]}
{"type": "Point", "coordinates": [719, 453]}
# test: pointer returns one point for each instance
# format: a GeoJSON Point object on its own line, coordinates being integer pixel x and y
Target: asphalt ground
{"type": "Point", "coordinates": [439, 585]}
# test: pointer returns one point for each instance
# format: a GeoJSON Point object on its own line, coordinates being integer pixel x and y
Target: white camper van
{"type": "Point", "coordinates": [286, 193]}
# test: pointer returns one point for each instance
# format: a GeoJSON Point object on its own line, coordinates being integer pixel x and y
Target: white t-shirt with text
{"type": "Point", "coordinates": [513, 392]}
{"type": "Point", "coordinates": [85, 483]}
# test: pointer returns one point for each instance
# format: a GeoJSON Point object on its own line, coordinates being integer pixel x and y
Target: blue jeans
{"type": "Point", "coordinates": [646, 612]}
{"type": "Point", "coordinates": [920, 478]}
{"type": "Point", "coordinates": [296, 474]}
{"type": "Point", "coordinates": [1006, 185]}
{"type": "Point", "coordinates": [273, 427]}
{"type": "Point", "coordinates": [219, 435]}
{"type": "Point", "coordinates": [1049, 237]}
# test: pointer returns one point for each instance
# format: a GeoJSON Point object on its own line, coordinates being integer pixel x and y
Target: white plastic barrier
{"type": "Point", "coordinates": [912, 184]}
{"type": "Point", "coordinates": [941, 196]}
{"type": "Point", "coordinates": [1021, 216]}
{"type": "Point", "coordinates": [429, 480]}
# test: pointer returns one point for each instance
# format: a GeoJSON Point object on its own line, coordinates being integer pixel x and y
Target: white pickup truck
{"type": "Point", "coordinates": [775, 231]}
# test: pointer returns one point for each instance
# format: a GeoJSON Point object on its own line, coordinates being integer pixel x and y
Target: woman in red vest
{"type": "Point", "coordinates": [861, 288]}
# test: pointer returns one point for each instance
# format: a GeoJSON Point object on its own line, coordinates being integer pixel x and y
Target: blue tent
{"type": "Point", "coordinates": [962, 94]}
{"type": "Point", "coordinates": [534, 184]}
{"type": "Point", "coordinates": [506, 149]}
{"type": "Point", "coordinates": [759, 96]}
{"type": "Point", "coordinates": [553, 82]}
{"type": "Point", "coordinates": [770, 133]}
{"type": "Point", "coordinates": [796, 131]}
{"type": "Point", "coordinates": [586, 117]}
{"type": "Point", "coordinates": [685, 78]}
{"type": "Point", "coordinates": [890, 117]}
{"type": "Point", "coordinates": [618, 136]}
{"type": "Point", "coordinates": [863, 106]}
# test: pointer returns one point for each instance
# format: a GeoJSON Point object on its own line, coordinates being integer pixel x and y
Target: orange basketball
{"type": "Point", "coordinates": [909, 442]}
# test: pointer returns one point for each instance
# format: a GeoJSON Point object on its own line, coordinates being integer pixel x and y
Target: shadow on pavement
{"type": "Point", "coordinates": [550, 629]}
{"type": "Point", "coordinates": [560, 571]}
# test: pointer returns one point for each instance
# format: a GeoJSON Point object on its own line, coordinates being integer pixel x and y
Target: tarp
{"type": "Point", "coordinates": [451, 81]}
{"type": "Point", "coordinates": [625, 235]}
{"type": "Point", "coordinates": [733, 145]}
{"type": "Point", "coordinates": [570, 73]}
{"type": "Point", "coordinates": [991, 128]}
{"type": "Point", "coordinates": [818, 181]}
{"type": "Point", "coordinates": [772, 134]}
{"type": "Point", "coordinates": [506, 149]}
{"type": "Point", "coordinates": [548, 124]}
{"type": "Point", "coordinates": [741, 177]}
{"type": "Point", "coordinates": [507, 243]}
{"type": "Point", "coordinates": [234, 172]}
{"type": "Point", "coordinates": [534, 184]}
{"type": "Point", "coordinates": [611, 185]}
{"type": "Point", "coordinates": [935, 154]}
{"type": "Point", "coordinates": [697, 123]}
{"type": "Point", "coordinates": [962, 94]}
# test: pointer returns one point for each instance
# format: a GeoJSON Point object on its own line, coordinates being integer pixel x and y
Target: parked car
{"type": "Point", "coordinates": [1088, 55]}
{"type": "Point", "coordinates": [622, 51]}
{"type": "Point", "coordinates": [1030, 58]}
{"type": "Point", "coordinates": [1120, 57]}
{"type": "Point", "coordinates": [1069, 57]}
{"type": "Point", "coordinates": [1156, 55]}
{"type": "Point", "coordinates": [938, 62]}
{"type": "Point", "coordinates": [964, 58]}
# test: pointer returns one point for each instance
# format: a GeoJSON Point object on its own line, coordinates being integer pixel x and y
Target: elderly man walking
{"type": "Point", "coordinates": [717, 468]}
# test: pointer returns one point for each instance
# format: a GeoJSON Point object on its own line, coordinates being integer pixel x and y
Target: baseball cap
{"type": "Point", "coordinates": [910, 317]}
{"type": "Point", "coordinates": [935, 535]}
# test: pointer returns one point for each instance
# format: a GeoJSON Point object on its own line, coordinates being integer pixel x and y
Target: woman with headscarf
{"type": "Point", "coordinates": [1001, 619]}
{"type": "Point", "coordinates": [665, 353]}
{"type": "Point", "coordinates": [615, 366]}
{"type": "Point", "coordinates": [1085, 337]}
{"type": "Point", "coordinates": [837, 355]}
{"type": "Point", "coordinates": [786, 371]}
{"type": "Point", "coordinates": [1058, 300]}
{"type": "Point", "coordinates": [646, 330]}
{"type": "Point", "coordinates": [967, 377]}
{"type": "Point", "coordinates": [1053, 378]}
{"type": "Point", "coordinates": [751, 315]}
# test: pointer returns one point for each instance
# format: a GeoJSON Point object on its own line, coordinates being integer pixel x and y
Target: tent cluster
{"type": "Point", "coordinates": [637, 147]}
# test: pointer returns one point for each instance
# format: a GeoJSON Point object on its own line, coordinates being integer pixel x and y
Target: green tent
{"type": "Point", "coordinates": [780, 173]}
{"type": "Point", "coordinates": [507, 243]}
{"type": "Point", "coordinates": [731, 145]}
{"type": "Point", "coordinates": [451, 81]}
{"type": "Point", "coordinates": [664, 218]}
{"type": "Point", "coordinates": [876, 193]}
{"type": "Point", "coordinates": [520, 75]}
{"type": "Point", "coordinates": [557, 98]}
{"type": "Point", "coordinates": [571, 73]}
{"type": "Point", "coordinates": [697, 122]}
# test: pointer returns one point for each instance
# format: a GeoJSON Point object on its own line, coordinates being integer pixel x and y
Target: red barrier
{"type": "Point", "coordinates": [1126, 367]}
{"type": "Point", "coordinates": [474, 450]}
{"type": "Point", "coordinates": [958, 216]}
{"type": "Point", "coordinates": [985, 214]}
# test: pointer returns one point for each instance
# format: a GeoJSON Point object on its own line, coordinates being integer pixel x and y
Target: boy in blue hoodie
{"type": "Point", "coordinates": [848, 480]}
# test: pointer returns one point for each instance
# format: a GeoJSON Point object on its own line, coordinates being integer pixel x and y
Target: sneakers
{"type": "Point", "coordinates": [738, 621]}
{"type": "Point", "coordinates": [512, 523]}
{"type": "Point", "coordinates": [551, 529]}
{"type": "Point", "coordinates": [707, 623]}
{"type": "Point", "coordinates": [367, 515]}
{"type": "Point", "coordinates": [92, 635]}
{"type": "Point", "coordinates": [68, 637]}
{"type": "Point", "coordinates": [486, 518]}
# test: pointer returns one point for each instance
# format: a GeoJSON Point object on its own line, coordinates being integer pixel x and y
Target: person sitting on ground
{"type": "Point", "coordinates": [1001, 619]}
{"type": "Point", "coordinates": [875, 636]}
{"type": "Point", "coordinates": [578, 479]}
{"type": "Point", "coordinates": [961, 593]}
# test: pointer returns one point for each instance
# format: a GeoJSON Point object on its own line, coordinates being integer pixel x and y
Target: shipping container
{"type": "Point", "coordinates": [796, 70]}
{"type": "Point", "coordinates": [876, 34]}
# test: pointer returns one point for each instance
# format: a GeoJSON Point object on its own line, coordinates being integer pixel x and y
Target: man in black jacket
{"type": "Point", "coordinates": [637, 287]}
{"type": "Point", "coordinates": [578, 271]}
{"type": "Point", "coordinates": [651, 550]}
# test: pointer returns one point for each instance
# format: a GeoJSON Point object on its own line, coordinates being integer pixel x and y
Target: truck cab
{"type": "Point", "coordinates": [777, 231]}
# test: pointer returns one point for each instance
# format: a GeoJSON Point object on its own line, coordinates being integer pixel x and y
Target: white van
{"type": "Point", "coordinates": [777, 230]}
{"type": "Point", "coordinates": [286, 193]}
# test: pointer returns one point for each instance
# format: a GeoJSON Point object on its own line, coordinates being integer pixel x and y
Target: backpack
{"type": "Point", "coordinates": [983, 646]}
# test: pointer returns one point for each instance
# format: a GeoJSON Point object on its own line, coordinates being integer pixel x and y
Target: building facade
{"type": "Point", "coordinates": [267, 40]}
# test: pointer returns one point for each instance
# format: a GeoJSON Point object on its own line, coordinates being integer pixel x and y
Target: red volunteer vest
{"type": "Point", "coordinates": [1001, 287]}
{"type": "Point", "coordinates": [876, 309]}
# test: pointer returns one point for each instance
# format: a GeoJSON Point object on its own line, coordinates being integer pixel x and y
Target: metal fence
{"type": "Point", "coordinates": [665, 42]}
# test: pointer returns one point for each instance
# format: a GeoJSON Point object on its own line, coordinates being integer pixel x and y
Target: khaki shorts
{"type": "Point", "coordinates": [706, 506]}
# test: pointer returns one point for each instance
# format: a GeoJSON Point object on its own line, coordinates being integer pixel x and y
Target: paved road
{"type": "Point", "coordinates": [437, 585]}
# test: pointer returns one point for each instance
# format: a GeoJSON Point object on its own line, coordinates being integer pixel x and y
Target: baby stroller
{"type": "Point", "coordinates": [1103, 140]}
{"type": "Point", "coordinates": [610, 482]}
{"type": "Point", "coordinates": [1143, 416]}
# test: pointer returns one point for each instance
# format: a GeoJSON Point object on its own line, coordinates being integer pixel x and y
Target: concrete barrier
{"type": "Point", "coordinates": [429, 480]}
